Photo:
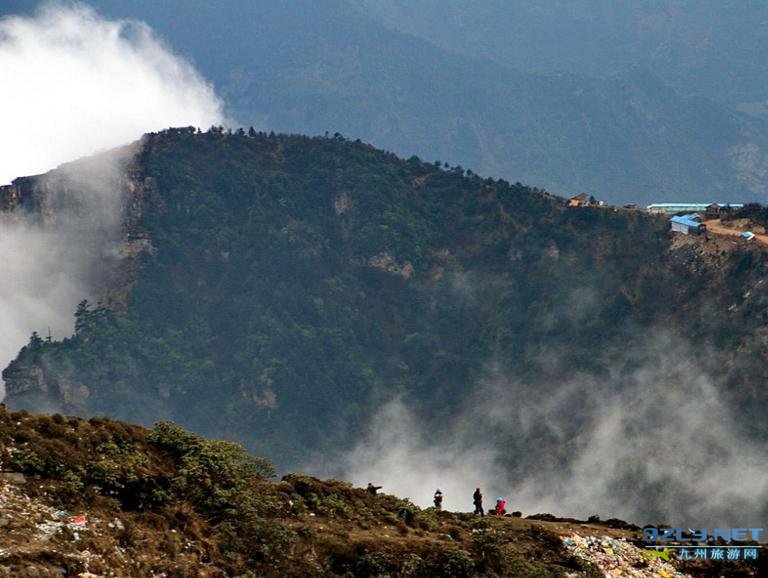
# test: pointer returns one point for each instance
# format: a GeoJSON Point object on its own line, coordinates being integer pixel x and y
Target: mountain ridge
{"type": "Point", "coordinates": [290, 288]}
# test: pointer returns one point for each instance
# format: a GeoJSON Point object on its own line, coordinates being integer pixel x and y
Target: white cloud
{"type": "Point", "coordinates": [74, 83]}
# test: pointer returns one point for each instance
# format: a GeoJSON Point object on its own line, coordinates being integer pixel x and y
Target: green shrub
{"type": "Point", "coordinates": [251, 539]}
{"type": "Point", "coordinates": [412, 566]}
{"type": "Point", "coordinates": [407, 511]}
{"type": "Point", "coordinates": [212, 474]}
{"type": "Point", "coordinates": [454, 564]}
{"type": "Point", "coordinates": [372, 565]}
{"type": "Point", "coordinates": [28, 461]}
{"type": "Point", "coordinates": [72, 482]}
{"type": "Point", "coordinates": [426, 519]}
{"type": "Point", "coordinates": [335, 505]}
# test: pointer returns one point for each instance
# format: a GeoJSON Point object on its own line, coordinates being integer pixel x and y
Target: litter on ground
{"type": "Point", "coordinates": [617, 558]}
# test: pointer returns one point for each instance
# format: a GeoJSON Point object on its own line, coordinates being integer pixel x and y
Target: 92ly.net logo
{"type": "Point", "coordinates": [721, 544]}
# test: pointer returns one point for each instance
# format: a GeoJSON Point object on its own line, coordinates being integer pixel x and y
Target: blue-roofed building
{"type": "Point", "coordinates": [672, 208]}
{"type": "Point", "coordinates": [687, 224]}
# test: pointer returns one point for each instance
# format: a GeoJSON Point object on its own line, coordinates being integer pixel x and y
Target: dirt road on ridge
{"type": "Point", "coordinates": [716, 227]}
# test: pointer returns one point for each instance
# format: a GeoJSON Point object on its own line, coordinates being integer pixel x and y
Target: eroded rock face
{"type": "Point", "coordinates": [386, 262]}
{"type": "Point", "coordinates": [342, 203]}
{"type": "Point", "coordinates": [26, 380]}
{"type": "Point", "coordinates": [21, 194]}
{"type": "Point", "coordinates": [97, 203]}
{"type": "Point", "coordinates": [88, 212]}
{"type": "Point", "coordinates": [134, 242]}
{"type": "Point", "coordinates": [33, 386]}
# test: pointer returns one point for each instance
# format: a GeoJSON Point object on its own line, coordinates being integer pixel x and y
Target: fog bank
{"type": "Point", "coordinates": [75, 83]}
{"type": "Point", "coordinates": [652, 441]}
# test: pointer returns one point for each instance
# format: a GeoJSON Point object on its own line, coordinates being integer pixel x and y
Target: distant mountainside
{"type": "Point", "coordinates": [704, 48]}
{"type": "Point", "coordinates": [309, 67]}
{"type": "Point", "coordinates": [287, 288]}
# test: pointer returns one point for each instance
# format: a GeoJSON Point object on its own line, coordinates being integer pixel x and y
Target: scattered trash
{"type": "Point", "coordinates": [617, 558]}
{"type": "Point", "coordinates": [46, 530]}
{"type": "Point", "coordinates": [30, 524]}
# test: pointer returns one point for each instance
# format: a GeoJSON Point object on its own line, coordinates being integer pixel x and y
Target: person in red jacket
{"type": "Point", "coordinates": [501, 507]}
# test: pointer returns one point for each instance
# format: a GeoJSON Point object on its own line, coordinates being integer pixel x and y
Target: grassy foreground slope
{"type": "Point", "coordinates": [104, 498]}
{"type": "Point", "coordinates": [110, 498]}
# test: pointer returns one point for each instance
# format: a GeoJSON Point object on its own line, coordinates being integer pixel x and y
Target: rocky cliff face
{"type": "Point", "coordinates": [99, 200]}
{"type": "Point", "coordinates": [22, 194]}
{"type": "Point", "coordinates": [87, 212]}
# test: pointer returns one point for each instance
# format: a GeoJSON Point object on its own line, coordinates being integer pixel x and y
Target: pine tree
{"type": "Point", "coordinates": [81, 316]}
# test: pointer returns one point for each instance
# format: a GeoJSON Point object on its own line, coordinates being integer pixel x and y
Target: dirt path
{"type": "Point", "coordinates": [716, 227]}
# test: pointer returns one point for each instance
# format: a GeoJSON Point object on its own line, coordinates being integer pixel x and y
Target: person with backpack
{"type": "Point", "coordinates": [501, 507]}
{"type": "Point", "coordinates": [477, 499]}
{"type": "Point", "coordinates": [438, 500]}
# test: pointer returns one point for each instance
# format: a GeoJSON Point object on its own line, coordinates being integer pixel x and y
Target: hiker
{"type": "Point", "coordinates": [477, 498]}
{"type": "Point", "coordinates": [501, 507]}
{"type": "Point", "coordinates": [371, 489]}
{"type": "Point", "coordinates": [438, 499]}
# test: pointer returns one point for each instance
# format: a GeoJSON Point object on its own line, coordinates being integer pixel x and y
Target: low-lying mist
{"type": "Point", "coordinates": [650, 441]}
{"type": "Point", "coordinates": [52, 259]}
{"type": "Point", "coordinates": [74, 84]}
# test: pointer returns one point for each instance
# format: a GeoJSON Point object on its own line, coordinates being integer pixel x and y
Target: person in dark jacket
{"type": "Point", "coordinates": [438, 499]}
{"type": "Point", "coordinates": [371, 489]}
{"type": "Point", "coordinates": [477, 498]}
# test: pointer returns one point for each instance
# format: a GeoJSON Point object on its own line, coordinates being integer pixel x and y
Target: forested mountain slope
{"type": "Point", "coordinates": [288, 287]}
